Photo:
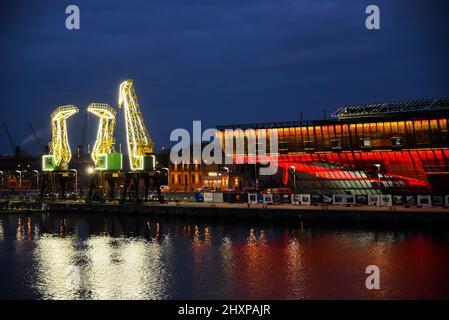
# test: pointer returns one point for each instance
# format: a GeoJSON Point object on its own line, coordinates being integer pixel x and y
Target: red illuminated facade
{"type": "Point", "coordinates": [395, 148]}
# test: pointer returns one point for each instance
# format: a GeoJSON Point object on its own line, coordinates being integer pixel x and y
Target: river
{"type": "Point", "coordinates": [107, 256]}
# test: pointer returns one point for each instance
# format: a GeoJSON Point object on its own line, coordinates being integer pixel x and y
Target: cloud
{"type": "Point", "coordinates": [42, 134]}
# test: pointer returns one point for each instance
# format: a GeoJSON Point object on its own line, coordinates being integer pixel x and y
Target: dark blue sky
{"type": "Point", "coordinates": [221, 62]}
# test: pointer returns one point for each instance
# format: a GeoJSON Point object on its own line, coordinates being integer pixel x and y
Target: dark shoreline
{"type": "Point", "coordinates": [437, 217]}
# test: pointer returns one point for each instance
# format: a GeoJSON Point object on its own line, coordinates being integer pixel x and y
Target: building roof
{"type": "Point", "coordinates": [381, 109]}
{"type": "Point", "coordinates": [408, 109]}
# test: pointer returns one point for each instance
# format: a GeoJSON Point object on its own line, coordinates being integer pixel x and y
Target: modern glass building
{"type": "Point", "coordinates": [394, 148]}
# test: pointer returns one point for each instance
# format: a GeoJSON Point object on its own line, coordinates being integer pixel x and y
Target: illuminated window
{"type": "Point", "coordinates": [388, 128]}
{"type": "Point", "coordinates": [434, 125]}
{"type": "Point", "coordinates": [365, 143]}
{"type": "Point", "coordinates": [318, 135]}
{"type": "Point", "coordinates": [443, 125]}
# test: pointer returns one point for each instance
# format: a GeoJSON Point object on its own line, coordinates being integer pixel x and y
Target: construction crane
{"type": "Point", "coordinates": [59, 148]}
{"type": "Point", "coordinates": [105, 141]}
{"type": "Point", "coordinates": [15, 149]}
{"type": "Point", "coordinates": [138, 139]}
{"type": "Point", "coordinates": [39, 144]}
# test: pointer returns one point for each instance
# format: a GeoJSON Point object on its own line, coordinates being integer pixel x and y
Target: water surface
{"type": "Point", "coordinates": [105, 256]}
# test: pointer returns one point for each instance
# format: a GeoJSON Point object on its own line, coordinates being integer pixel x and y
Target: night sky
{"type": "Point", "coordinates": [222, 62]}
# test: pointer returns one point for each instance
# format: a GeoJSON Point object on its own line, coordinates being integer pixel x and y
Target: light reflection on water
{"type": "Point", "coordinates": [109, 268]}
{"type": "Point", "coordinates": [100, 256]}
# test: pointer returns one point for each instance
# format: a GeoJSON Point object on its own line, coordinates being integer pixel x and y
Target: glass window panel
{"type": "Point", "coordinates": [325, 135]}
{"type": "Point", "coordinates": [400, 127]}
{"type": "Point", "coordinates": [424, 125]}
{"type": "Point", "coordinates": [318, 135]}
{"type": "Point", "coordinates": [337, 130]}
{"type": "Point", "coordinates": [374, 130]}
{"type": "Point", "coordinates": [443, 124]}
{"type": "Point", "coordinates": [434, 125]}
{"type": "Point", "coordinates": [387, 130]}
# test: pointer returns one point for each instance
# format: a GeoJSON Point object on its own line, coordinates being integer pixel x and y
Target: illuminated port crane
{"type": "Point", "coordinates": [60, 153]}
{"type": "Point", "coordinates": [138, 139]}
{"type": "Point", "coordinates": [140, 146]}
{"type": "Point", "coordinates": [104, 144]}
{"type": "Point", "coordinates": [107, 161]}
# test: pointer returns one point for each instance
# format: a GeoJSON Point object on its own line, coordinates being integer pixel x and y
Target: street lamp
{"type": "Point", "coordinates": [164, 168]}
{"type": "Point", "coordinates": [377, 165]}
{"type": "Point", "coordinates": [90, 170]}
{"type": "Point", "coordinates": [20, 178]}
{"type": "Point", "coordinates": [37, 178]}
{"type": "Point", "coordinates": [227, 182]}
{"type": "Point", "coordinates": [76, 180]}
{"type": "Point", "coordinates": [294, 178]}
{"type": "Point", "coordinates": [1, 172]}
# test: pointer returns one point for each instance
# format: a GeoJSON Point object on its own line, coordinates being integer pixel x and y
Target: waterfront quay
{"type": "Point", "coordinates": [435, 216]}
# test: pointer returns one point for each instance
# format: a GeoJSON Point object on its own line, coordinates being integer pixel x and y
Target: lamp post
{"type": "Point", "coordinates": [294, 178]}
{"type": "Point", "coordinates": [227, 182]}
{"type": "Point", "coordinates": [37, 178]}
{"type": "Point", "coordinates": [1, 172]}
{"type": "Point", "coordinates": [377, 165]}
{"type": "Point", "coordinates": [20, 177]}
{"type": "Point", "coordinates": [23, 171]}
{"type": "Point", "coordinates": [76, 180]}
{"type": "Point", "coordinates": [255, 175]}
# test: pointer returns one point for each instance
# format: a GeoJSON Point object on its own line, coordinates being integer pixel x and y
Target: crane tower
{"type": "Point", "coordinates": [59, 148]}
{"type": "Point", "coordinates": [103, 153]}
{"type": "Point", "coordinates": [138, 139]}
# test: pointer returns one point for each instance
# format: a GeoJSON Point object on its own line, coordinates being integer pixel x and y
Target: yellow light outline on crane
{"type": "Point", "coordinates": [44, 162]}
{"type": "Point", "coordinates": [60, 146]}
{"type": "Point", "coordinates": [138, 139]}
{"type": "Point", "coordinates": [105, 141]}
